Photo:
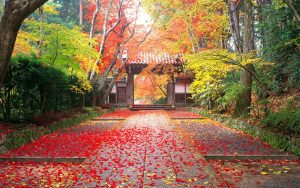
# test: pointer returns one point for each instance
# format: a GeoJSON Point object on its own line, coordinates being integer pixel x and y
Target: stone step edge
{"type": "Point", "coordinates": [44, 159]}
{"type": "Point", "coordinates": [108, 119]}
{"type": "Point", "coordinates": [187, 118]}
{"type": "Point", "coordinates": [251, 157]}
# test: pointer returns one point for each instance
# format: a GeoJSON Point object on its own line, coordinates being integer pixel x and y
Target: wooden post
{"type": "Point", "coordinates": [171, 92]}
{"type": "Point", "coordinates": [130, 90]}
{"type": "Point", "coordinates": [185, 91]}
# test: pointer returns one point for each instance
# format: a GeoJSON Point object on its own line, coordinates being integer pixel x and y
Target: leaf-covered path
{"type": "Point", "coordinates": [147, 149]}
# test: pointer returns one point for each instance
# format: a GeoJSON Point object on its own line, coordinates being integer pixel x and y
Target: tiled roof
{"type": "Point", "coordinates": [152, 58]}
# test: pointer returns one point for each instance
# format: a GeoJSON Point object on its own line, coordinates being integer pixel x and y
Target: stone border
{"type": "Point", "coordinates": [187, 118]}
{"type": "Point", "coordinates": [108, 119]}
{"type": "Point", "coordinates": [251, 157]}
{"type": "Point", "coordinates": [208, 170]}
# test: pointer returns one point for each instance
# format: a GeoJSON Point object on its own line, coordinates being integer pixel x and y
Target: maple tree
{"type": "Point", "coordinates": [188, 26]}
{"type": "Point", "coordinates": [117, 22]}
{"type": "Point", "coordinates": [150, 88]}
{"type": "Point", "coordinates": [68, 50]}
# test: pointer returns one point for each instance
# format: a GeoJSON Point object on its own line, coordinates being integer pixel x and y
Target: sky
{"type": "Point", "coordinates": [143, 18]}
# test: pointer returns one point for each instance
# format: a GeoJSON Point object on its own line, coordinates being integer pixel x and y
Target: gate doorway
{"type": "Point", "coordinates": [150, 89]}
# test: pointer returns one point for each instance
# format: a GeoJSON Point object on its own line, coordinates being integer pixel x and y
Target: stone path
{"type": "Point", "coordinates": [148, 149]}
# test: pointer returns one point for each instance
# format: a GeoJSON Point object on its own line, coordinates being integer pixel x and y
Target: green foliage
{"type": "Point", "coordinates": [63, 48]}
{"type": "Point", "coordinates": [32, 87]}
{"type": "Point", "coordinates": [281, 46]}
{"type": "Point", "coordinates": [55, 78]}
{"type": "Point", "coordinates": [2, 2]}
{"type": "Point", "coordinates": [69, 12]}
{"type": "Point", "coordinates": [162, 100]}
{"type": "Point", "coordinates": [286, 121]}
{"type": "Point", "coordinates": [230, 96]}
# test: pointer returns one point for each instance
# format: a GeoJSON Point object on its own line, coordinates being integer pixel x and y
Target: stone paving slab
{"type": "Point", "coordinates": [214, 139]}
{"type": "Point", "coordinates": [251, 157]}
{"type": "Point", "coordinates": [260, 173]}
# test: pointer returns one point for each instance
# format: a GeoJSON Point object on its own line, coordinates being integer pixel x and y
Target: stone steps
{"type": "Point", "coordinates": [137, 107]}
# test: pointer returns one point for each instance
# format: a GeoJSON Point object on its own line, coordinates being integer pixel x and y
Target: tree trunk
{"type": "Point", "coordinates": [15, 11]}
{"type": "Point", "coordinates": [244, 101]}
{"type": "Point", "coordinates": [43, 95]}
{"type": "Point", "coordinates": [106, 32]}
{"type": "Point", "coordinates": [80, 12]}
{"type": "Point", "coordinates": [96, 12]}
{"type": "Point", "coordinates": [7, 42]}
{"type": "Point", "coordinates": [69, 102]}
{"type": "Point", "coordinates": [94, 99]}
{"type": "Point", "coordinates": [83, 100]}
{"type": "Point", "coordinates": [294, 10]}
{"type": "Point", "coordinates": [42, 20]}
{"type": "Point", "coordinates": [100, 80]}
{"type": "Point", "coordinates": [235, 24]}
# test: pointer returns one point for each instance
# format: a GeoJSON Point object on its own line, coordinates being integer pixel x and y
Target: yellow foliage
{"type": "Point", "coordinates": [22, 44]}
{"type": "Point", "coordinates": [211, 68]}
{"type": "Point", "coordinates": [50, 9]}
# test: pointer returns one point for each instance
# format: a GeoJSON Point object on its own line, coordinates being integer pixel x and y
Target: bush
{"type": "Point", "coordinates": [285, 121]}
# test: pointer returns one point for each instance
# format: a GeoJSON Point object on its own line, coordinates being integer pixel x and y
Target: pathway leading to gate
{"type": "Point", "coordinates": [149, 149]}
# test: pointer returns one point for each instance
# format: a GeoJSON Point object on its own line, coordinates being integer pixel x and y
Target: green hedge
{"type": "Point", "coordinates": [290, 143]}
{"type": "Point", "coordinates": [24, 136]}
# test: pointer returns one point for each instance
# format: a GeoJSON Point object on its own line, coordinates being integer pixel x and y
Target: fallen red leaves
{"type": "Point", "coordinates": [253, 173]}
{"type": "Point", "coordinates": [146, 150]}
{"type": "Point", "coordinates": [182, 114]}
{"type": "Point", "coordinates": [212, 138]}
{"type": "Point", "coordinates": [74, 142]}
{"type": "Point", "coordinates": [119, 114]}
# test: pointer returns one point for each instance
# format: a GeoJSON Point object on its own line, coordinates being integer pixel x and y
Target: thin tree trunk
{"type": "Point", "coordinates": [69, 102]}
{"type": "Point", "coordinates": [43, 94]}
{"type": "Point", "coordinates": [83, 100]}
{"type": "Point", "coordinates": [294, 10]}
{"type": "Point", "coordinates": [94, 98]}
{"type": "Point", "coordinates": [106, 33]}
{"type": "Point", "coordinates": [244, 101]}
{"type": "Point", "coordinates": [42, 20]}
{"type": "Point", "coordinates": [114, 79]}
{"type": "Point", "coordinates": [104, 29]}
{"type": "Point", "coordinates": [100, 81]}
{"type": "Point", "coordinates": [96, 12]}
{"type": "Point", "coordinates": [235, 24]}
{"type": "Point", "coordinates": [80, 12]}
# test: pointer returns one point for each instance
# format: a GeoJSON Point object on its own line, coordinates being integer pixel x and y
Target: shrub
{"type": "Point", "coordinates": [285, 121]}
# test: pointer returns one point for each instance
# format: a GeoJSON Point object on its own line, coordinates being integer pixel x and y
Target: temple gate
{"type": "Point", "coordinates": [178, 92]}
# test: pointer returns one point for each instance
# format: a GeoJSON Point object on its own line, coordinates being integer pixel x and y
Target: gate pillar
{"type": "Point", "coordinates": [171, 92]}
{"type": "Point", "coordinates": [130, 89]}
